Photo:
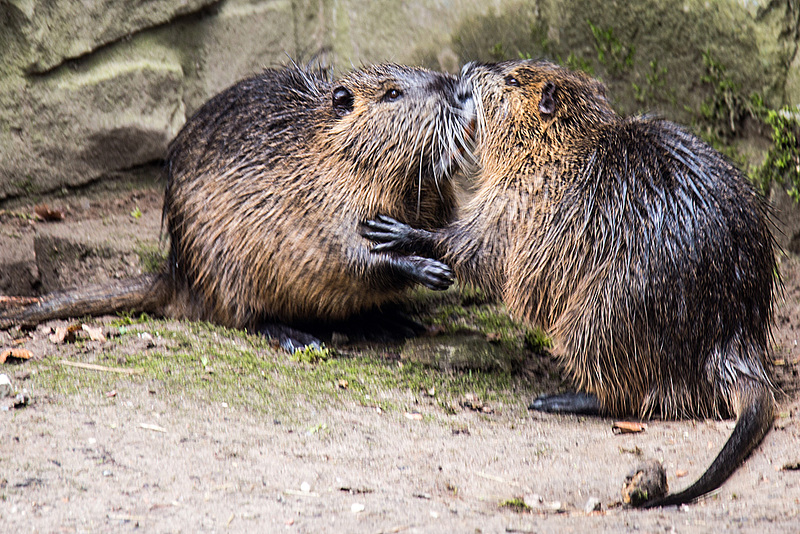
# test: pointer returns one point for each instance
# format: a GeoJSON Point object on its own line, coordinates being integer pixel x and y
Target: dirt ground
{"type": "Point", "coordinates": [192, 428]}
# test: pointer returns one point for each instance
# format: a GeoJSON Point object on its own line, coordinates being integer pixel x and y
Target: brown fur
{"type": "Point", "coordinates": [268, 182]}
{"type": "Point", "coordinates": [644, 252]}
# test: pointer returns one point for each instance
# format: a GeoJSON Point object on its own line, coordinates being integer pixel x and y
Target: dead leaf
{"type": "Point", "coordinates": [65, 334]}
{"type": "Point", "coordinates": [493, 337]}
{"type": "Point", "coordinates": [19, 354]}
{"type": "Point", "coordinates": [95, 332]}
{"type": "Point", "coordinates": [343, 384]}
{"type": "Point", "coordinates": [47, 214]}
{"type": "Point", "coordinates": [626, 427]}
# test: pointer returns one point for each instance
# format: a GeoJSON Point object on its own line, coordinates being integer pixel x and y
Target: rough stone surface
{"type": "Point", "coordinates": [77, 124]}
{"type": "Point", "coordinates": [66, 252]}
{"type": "Point", "coordinates": [749, 39]}
{"type": "Point", "coordinates": [49, 31]}
{"type": "Point", "coordinates": [91, 88]}
{"type": "Point", "coordinates": [240, 40]}
{"type": "Point", "coordinates": [18, 271]}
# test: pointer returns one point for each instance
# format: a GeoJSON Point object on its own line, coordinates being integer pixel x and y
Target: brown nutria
{"type": "Point", "coordinates": [266, 187]}
{"type": "Point", "coordinates": [645, 253]}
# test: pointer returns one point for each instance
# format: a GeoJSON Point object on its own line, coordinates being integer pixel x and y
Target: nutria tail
{"type": "Point", "coordinates": [145, 293]}
{"type": "Point", "coordinates": [756, 408]}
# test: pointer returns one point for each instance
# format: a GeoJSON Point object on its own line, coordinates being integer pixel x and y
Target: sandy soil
{"type": "Point", "coordinates": [185, 448]}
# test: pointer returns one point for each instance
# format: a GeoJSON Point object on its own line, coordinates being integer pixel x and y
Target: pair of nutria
{"type": "Point", "coordinates": [646, 254]}
{"type": "Point", "coordinates": [267, 184]}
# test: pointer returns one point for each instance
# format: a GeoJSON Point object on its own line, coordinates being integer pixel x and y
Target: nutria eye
{"type": "Point", "coordinates": [513, 82]}
{"type": "Point", "coordinates": [342, 101]}
{"type": "Point", "coordinates": [392, 95]}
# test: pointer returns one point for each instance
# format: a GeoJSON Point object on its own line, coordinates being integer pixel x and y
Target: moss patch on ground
{"type": "Point", "coordinates": [473, 349]}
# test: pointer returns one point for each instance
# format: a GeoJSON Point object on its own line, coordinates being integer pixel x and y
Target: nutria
{"type": "Point", "coordinates": [266, 187]}
{"type": "Point", "coordinates": [645, 253]}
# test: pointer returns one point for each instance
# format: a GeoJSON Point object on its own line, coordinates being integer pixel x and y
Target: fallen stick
{"type": "Point", "coordinates": [103, 368]}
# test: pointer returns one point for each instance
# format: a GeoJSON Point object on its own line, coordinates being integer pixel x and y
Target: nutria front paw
{"type": "Point", "coordinates": [430, 273]}
{"type": "Point", "coordinates": [390, 235]}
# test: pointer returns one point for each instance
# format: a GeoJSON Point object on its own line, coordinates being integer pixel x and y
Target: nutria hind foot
{"type": "Point", "coordinates": [391, 325]}
{"type": "Point", "coordinates": [291, 339]}
{"type": "Point", "coordinates": [574, 403]}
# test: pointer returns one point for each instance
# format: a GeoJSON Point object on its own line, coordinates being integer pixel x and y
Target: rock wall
{"type": "Point", "coordinates": [91, 89]}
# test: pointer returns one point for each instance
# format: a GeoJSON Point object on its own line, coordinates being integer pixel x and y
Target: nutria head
{"type": "Point", "coordinates": [397, 123]}
{"type": "Point", "coordinates": [529, 110]}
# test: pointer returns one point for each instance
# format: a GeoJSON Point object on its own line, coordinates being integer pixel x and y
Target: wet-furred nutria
{"type": "Point", "coordinates": [267, 184]}
{"type": "Point", "coordinates": [645, 253]}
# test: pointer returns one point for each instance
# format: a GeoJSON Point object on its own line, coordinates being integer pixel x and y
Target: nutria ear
{"type": "Point", "coordinates": [342, 100]}
{"type": "Point", "coordinates": [547, 105]}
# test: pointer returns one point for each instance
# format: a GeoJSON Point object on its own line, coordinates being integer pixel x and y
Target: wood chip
{"type": "Point", "coordinates": [48, 214]}
{"type": "Point", "coordinates": [626, 427]}
{"type": "Point", "coordinates": [102, 368]}
{"type": "Point", "coordinates": [19, 354]}
{"type": "Point", "coordinates": [681, 473]}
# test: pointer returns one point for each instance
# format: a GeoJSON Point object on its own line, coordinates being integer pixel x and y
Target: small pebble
{"type": "Point", "coordinates": [593, 505]}
{"type": "Point", "coordinates": [647, 482]}
{"type": "Point", "coordinates": [305, 487]}
{"type": "Point", "coordinates": [556, 506]}
{"type": "Point", "coordinates": [357, 508]}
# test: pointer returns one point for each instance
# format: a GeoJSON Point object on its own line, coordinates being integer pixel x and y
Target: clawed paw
{"type": "Point", "coordinates": [389, 234]}
{"type": "Point", "coordinates": [434, 274]}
